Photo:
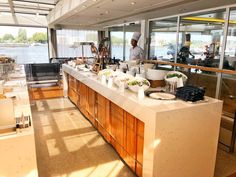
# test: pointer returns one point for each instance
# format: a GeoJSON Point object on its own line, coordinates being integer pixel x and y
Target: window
{"type": "Point", "coordinates": [117, 43]}
{"type": "Point", "coordinates": [201, 38]}
{"type": "Point", "coordinates": [68, 42]}
{"type": "Point", "coordinates": [121, 38]}
{"type": "Point", "coordinates": [163, 39]}
{"type": "Point", "coordinates": [24, 44]}
{"type": "Point", "coordinates": [230, 51]}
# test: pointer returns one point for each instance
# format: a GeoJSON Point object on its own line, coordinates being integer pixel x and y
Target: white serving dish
{"type": "Point", "coordinates": [174, 79]}
{"type": "Point", "coordinates": [153, 74]}
{"type": "Point", "coordinates": [176, 82]}
{"type": "Point", "coordinates": [123, 79]}
{"type": "Point", "coordinates": [135, 88]}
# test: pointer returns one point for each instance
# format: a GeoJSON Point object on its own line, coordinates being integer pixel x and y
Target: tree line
{"type": "Point", "coordinates": [37, 37]}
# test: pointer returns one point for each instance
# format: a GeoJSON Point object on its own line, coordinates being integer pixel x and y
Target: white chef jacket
{"type": "Point", "coordinates": [136, 53]}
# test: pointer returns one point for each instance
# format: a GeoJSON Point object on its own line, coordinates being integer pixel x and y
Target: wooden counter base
{"type": "Point", "coordinates": [119, 128]}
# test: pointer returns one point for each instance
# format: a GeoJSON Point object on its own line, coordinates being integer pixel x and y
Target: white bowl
{"type": "Point", "coordinates": [135, 88]}
{"type": "Point", "coordinates": [124, 78]}
{"type": "Point", "coordinates": [174, 79]}
{"type": "Point", "coordinates": [153, 74]}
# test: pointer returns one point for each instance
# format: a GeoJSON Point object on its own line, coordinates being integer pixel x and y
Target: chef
{"type": "Point", "coordinates": [136, 52]}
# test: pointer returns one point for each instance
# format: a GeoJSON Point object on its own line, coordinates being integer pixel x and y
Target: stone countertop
{"type": "Point", "coordinates": [18, 154]}
{"type": "Point", "coordinates": [130, 99]}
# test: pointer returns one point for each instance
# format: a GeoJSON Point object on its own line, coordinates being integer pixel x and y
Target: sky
{"type": "Point", "coordinates": [14, 30]}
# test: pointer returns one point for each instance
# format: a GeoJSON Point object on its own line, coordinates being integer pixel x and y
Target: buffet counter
{"type": "Point", "coordinates": [171, 138]}
{"type": "Point", "coordinates": [17, 149]}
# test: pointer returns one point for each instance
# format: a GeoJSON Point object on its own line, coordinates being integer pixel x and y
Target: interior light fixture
{"type": "Point", "coordinates": [207, 19]}
{"type": "Point", "coordinates": [133, 3]}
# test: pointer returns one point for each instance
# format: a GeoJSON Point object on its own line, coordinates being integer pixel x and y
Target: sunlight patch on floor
{"type": "Point", "coordinates": [59, 103]}
{"type": "Point", "coordinates": [52, 147]}
{"type": "Point", "coordinates": [47, 130]}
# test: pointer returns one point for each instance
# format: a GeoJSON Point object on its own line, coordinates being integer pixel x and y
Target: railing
{"type": "Point", "coordinates": [225, 71]}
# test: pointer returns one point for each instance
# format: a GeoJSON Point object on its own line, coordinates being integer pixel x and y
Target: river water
{"type": "Point", "coordinates": [23, 55]}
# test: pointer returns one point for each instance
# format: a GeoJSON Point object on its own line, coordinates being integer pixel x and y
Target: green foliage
{"type": "Point", "coordinates": [39, 37]}
{"type": "Point", "coordinates": [22, 36]}
{"type": "Point", "coordinates": [116, 40]}
{"type": "Point", "coordinates": [8, 38]}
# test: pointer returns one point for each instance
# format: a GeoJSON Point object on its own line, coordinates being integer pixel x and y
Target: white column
{"type": "Point", "coordinates": [52, 42]}
{"type": "Point", "coordinates": [143, 39]}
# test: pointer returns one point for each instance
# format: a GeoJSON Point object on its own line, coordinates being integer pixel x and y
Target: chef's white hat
{"type": "Point", "coordinates": [136, 36]}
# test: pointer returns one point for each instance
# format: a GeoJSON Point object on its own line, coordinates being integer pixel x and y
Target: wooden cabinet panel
{"type": "Point", "coordinates": [114, 123]}
{"type": "Point", "coordinates": [72, 83]}
{"type": "Point", "coordinates": [131, 142]}
{"type": "Point", "coordinates": [140, 128]}
{"type": "Point", "coordinates": [101, 99]}
{"type": "Point", "coordinates": [130, 161]}
{"type": "Point", "coordinates": [140, 141]}
{"type": "Point", "coordinates": [117, 111]}
{"type": "Point", "coordinates": [119, 133]}
{"type": "Point", "coordinates": [107, 118]}
{"type": "Point", "coordinates": [91, 102]}
{"type": "Point", "coordinates": [101, 116]}
{"type": "Point", "coordinates": [140, 149]}
{"type": "Point", "coordinates": [83, 95]}
{"type": "Point", "coordinates": [73, 95]}
{"type": "Point", "coordinates": [139, 170]}
{"type": "Point", "coordinates": [103, 112]}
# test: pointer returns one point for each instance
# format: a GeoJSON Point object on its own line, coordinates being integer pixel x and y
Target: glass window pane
{"type": "Point", "coordinates": [128, 37]}
{"type": "Point", "coordinates": [230, 51]}
{"type": "Point", "coordinates": [163, 39]}
{"type": "Point", "coordinates": [201, 38]}
{"type": "Point", "coordinates": [68, 42]}
{"type": "Point", "coordinates": [24, 44]}
{"type": "Point", "coordinates": [117, 44]}
{"type": "Point", "coordinates": [117, 40]}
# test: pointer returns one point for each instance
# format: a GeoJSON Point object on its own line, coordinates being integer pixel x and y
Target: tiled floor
{"type": "Point", "coordinates": [67, 145]}
{"type": "Point", "coordinates": [225, 163]}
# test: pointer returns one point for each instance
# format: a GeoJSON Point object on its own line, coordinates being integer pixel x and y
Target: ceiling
{"type": "Point", "coordinates": [95, 14]}
{"type": "Point", "coordinates": [30, 7]}
{"type": "Point", "coordinates": [102, 13]}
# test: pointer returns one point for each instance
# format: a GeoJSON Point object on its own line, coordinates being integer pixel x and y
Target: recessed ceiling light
{"type": "Point", "coordinates": [84, 6]}
{"type": "Point", "coordinates": [132, 3]}
{"type": "Point", "coordinates": [107, 12]}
